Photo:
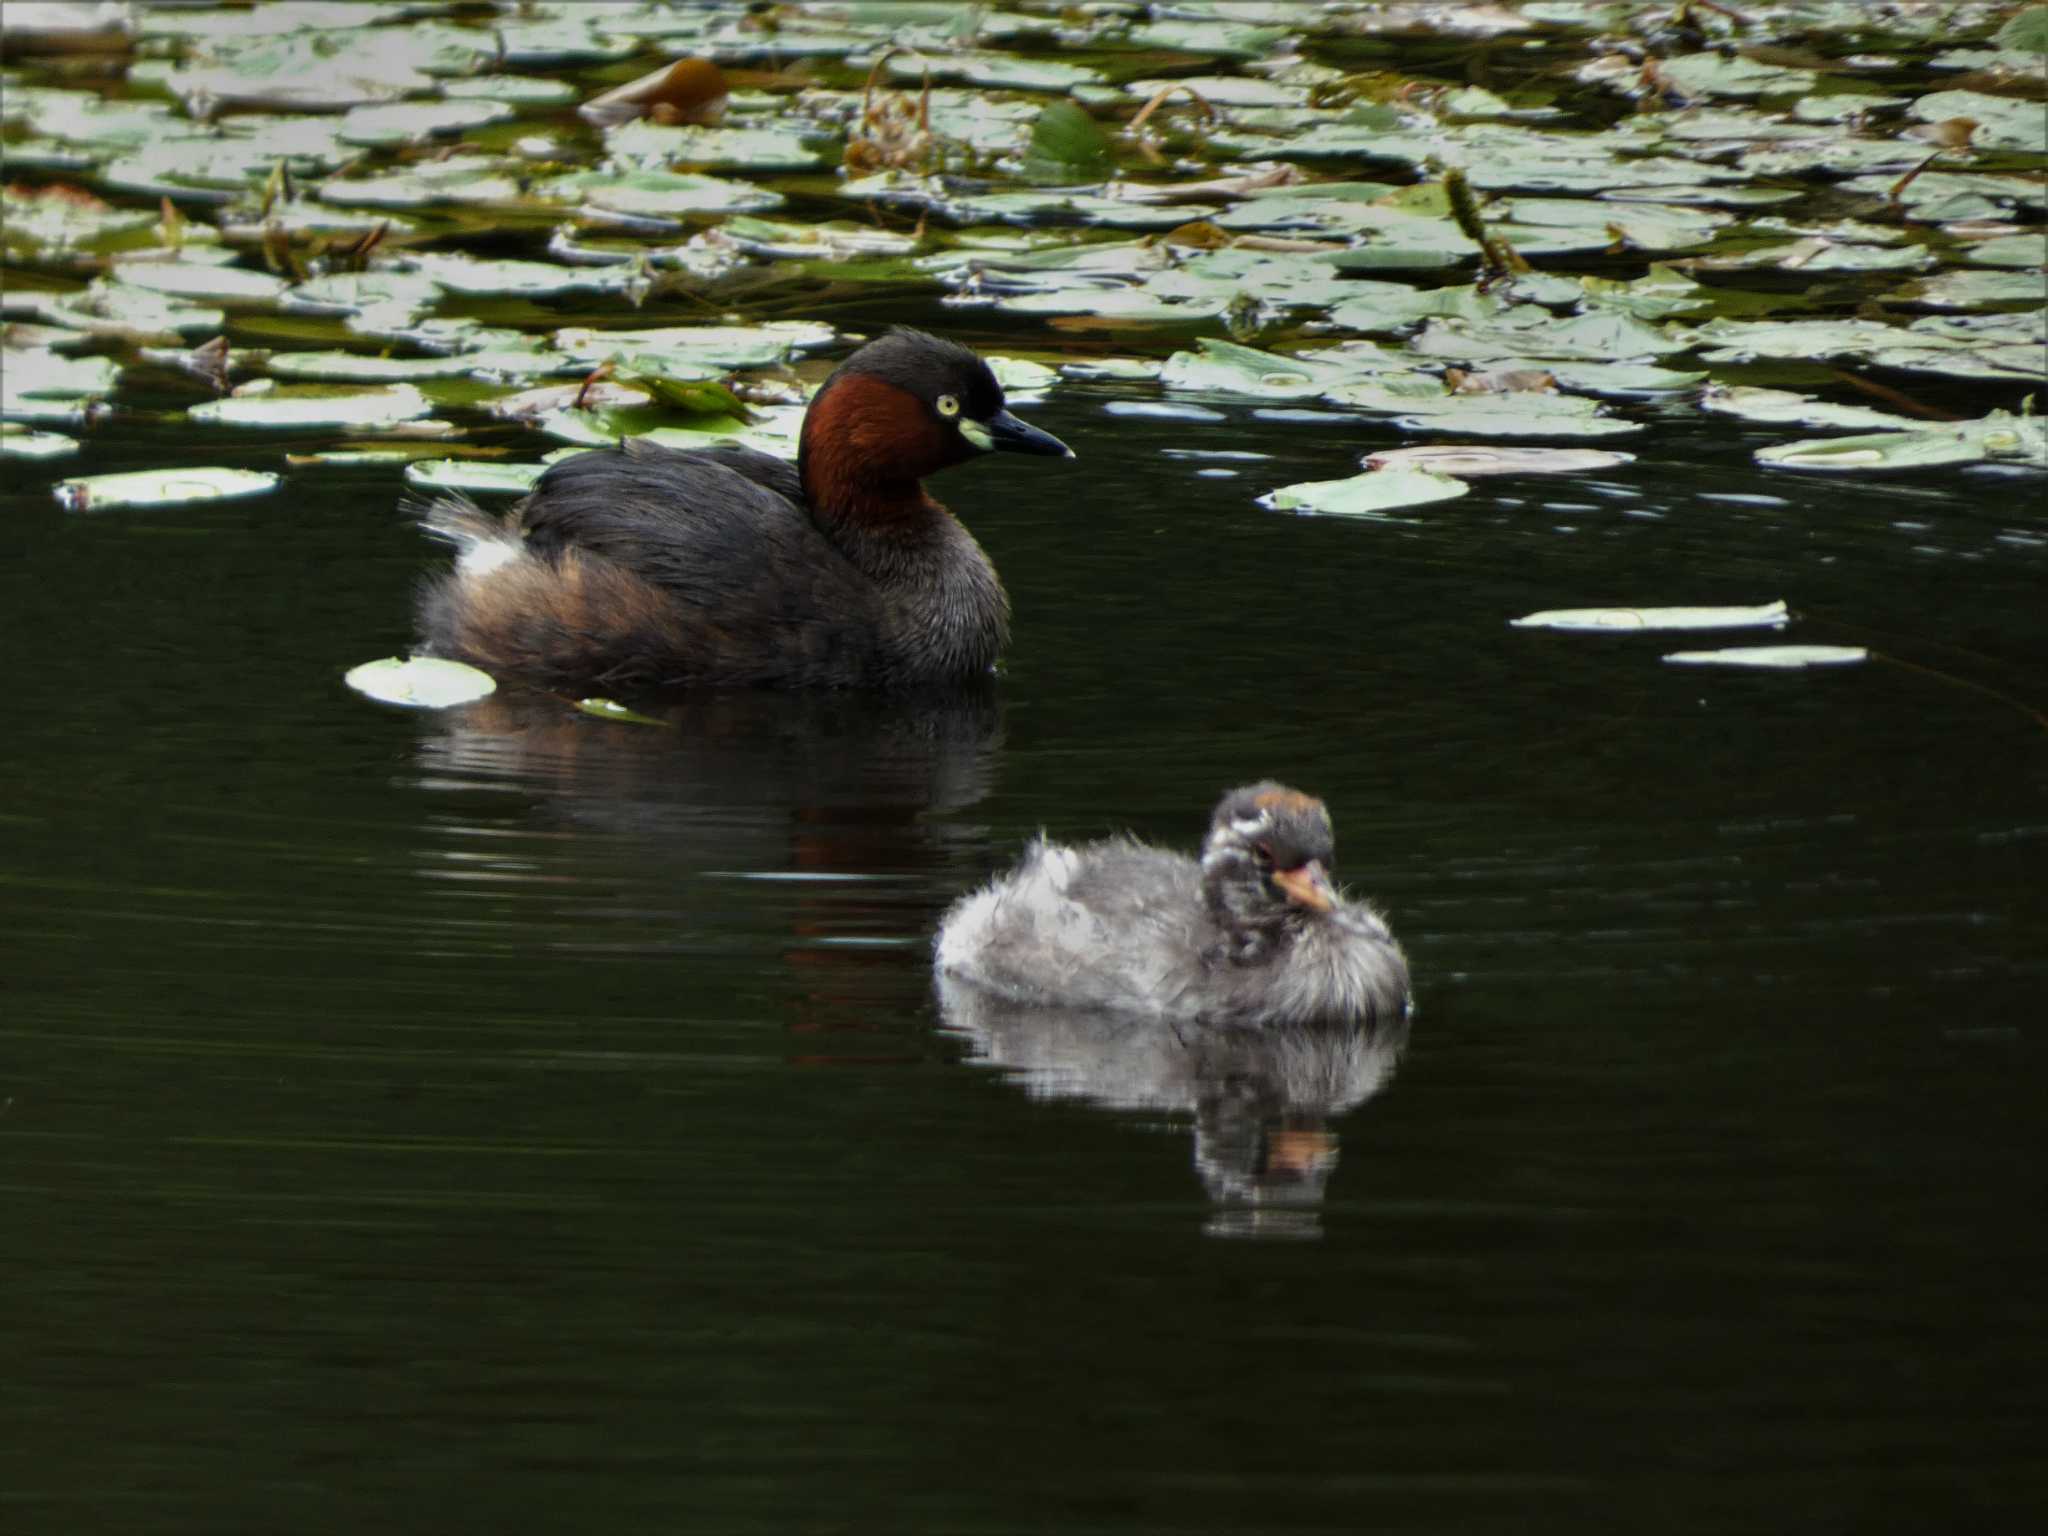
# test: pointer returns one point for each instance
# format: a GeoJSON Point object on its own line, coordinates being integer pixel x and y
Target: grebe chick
{"type": "Point", "coordinates": [1253, 933]}
{"type": "Point", "coordinates": [640, 568]}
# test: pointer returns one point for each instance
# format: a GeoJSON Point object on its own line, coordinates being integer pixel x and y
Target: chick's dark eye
{"type": "Point", "coordinates": [1263, 852]}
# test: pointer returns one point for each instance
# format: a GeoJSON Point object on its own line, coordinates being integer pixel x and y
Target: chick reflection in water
{"type": "Point", "coordinates": [1244, 987]}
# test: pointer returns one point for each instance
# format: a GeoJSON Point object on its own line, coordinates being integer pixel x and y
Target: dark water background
{"type": "Point", "coordinates": [512, 1121]}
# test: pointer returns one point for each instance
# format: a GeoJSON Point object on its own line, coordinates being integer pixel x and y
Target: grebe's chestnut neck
{"type": "Point", "coordinates": [904, 406]}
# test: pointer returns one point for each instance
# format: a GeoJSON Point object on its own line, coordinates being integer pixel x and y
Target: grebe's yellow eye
{"type": "Point", "coordinates": [949, 405]}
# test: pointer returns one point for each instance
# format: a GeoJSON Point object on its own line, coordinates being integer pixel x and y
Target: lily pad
{"type": "Point", "coordinates": [414, 121]}
{"type": "Point", "coordinates": [722, 346]}
{"type": "Point", "coordinates": [661, 146]}
{"type": "Point", "coordinates": [1999, 436]}
{"type": "Point", "coordinates": [1379, 490]}
{"type": "Point", "coordinates": [421, 682]}
{"type": "Point", "coordinates": [311, 408]}
{"type": "Point", "coordinates": [473, 477]}
{"type": "Point", "coordinates": [1000, 71]}
{"type": "Point", "coordinates": [530, 279]}
{"type": "Point", "coordinates": [1763, 616]}
{"type": "Point", "coordinates": [1784, 407]}
{"type": "Point", "coordinates": [19, 442]}
{"type": "Point", "coordinates": [1783, 657]}
{"type": "Point", "coordinates": [207, 283]}
{"type": "Point", "coordinates": [161, 488]}
{"type": "Point", "coordinates": [658, 194]}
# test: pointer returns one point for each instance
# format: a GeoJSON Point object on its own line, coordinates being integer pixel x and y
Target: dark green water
{"type": "Point", "coordinates": [516, 1122]}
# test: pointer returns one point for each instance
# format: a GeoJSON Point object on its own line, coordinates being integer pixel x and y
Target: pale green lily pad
{"type": "Point", "coordinates": [657, 145]}
{"type": "Point", "coordinates": [1379, 490]}
{"type": "Point", "coordinates": [2023, 362]}
{"type": "Point", "coordinates": [1762, 616]}
{"type": "Point", "coordinates": [473, 477]}
{"type": "Point", "coordinates": [203, 282]}
{"type": "Point", "coordinates": [1224, 367]}
{"type": "Point", "coordinates": [310, 71]}
{"type": "Point", "coordinates": [470, 180]}
{"type": "Point", "coordinates": [1020, 374]}
{"type": "Point", "coordinates": [1940, 197]}
{"type": "Point", "coordinates": [1471, 460]}
{"type": "Point", "coordinates": [657, 194]}
{"type": "Point", "coordinates": [512, 90]}
{"type": "Point", "coordinates": [1561, 225]}
{"type": "Point", "coordinates": [1050, 205]}
{"type": "Point", "coordinates": [1604, 336]}
{"type": "Point", "coordinates": [41, 373]}
{"type": "Point", "coordinates": [1784, 407]}
{"type": "Point", "coordinates": [1783, 657]}
{"type": "Point", "coordinates": [723, 346]}
{"type": "Point", "coordinates": [838, 240]}
{"type": "Point", "coordinates": [1480, 415]}
{"type": "Point", "coordinates": [2026, 250]}
{"type": "Point", "coordinates": [1835, 154]}
{"type": "Point", "coordinates": [413, 121]}
{"type": "Point", "coordinates": [341, 293]}
{"type": "Point", "coordinates": [1732, 75]}
{"type": "Point", "coordinates": [356, 367]}
{"type": "Point", "coordinates": [1999, 436]}
{"type": "Point", "coordinates": [1617, 380]}
{"type": "Point", "coordinates": [52, 224]}
{"type": "Point", "coordinates": [311, 408]}
{"type": "Point", "coordinates": [576, 37]}
{"type": "Point", "coordinates": [1972, 289]}
{"type": "Point", "coordinates": [1132, 369]}
{"type": "Point", "coordinates": [19, 442]}
{"type": "Point", "coordinates": [108, 308]}
{"type": "Point", "coordinates": [161, 488]}
{"type": "Point", "coordinates": [1819, 254]}
{"type": "Point", "coordinates": [774, 430]}
{"type": "Point", "coordinates": [1000, 71]}
{"type": "Point", "coordinates": [1840, 106]}
{"type": "Point", "coordinates": [1657, 295]}
{"type": "Point", "coordinates": [1227, 37]}
{"type": "Point", "coordinates": [421, 682]}
{"type": "Point", "coordinates": [236, 28]}
{"type": "Point", "coordinates": [528, 279]}
{"type": "Point", "coordinates": [1226, 91]}
{"type": "Point", "coordinates": [2003, 122]}
{"type": "Point", "coordinates": [1742, 341]}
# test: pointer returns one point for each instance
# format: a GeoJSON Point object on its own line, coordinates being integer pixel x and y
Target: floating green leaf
{"type": "Point", "coordinates": [1784, 407]}
{"type": "Point", "coordinates": [473, 477]}
{"type": "Point", "coordinates": [420, 682]}
{"type": "Point", "coordinates": [161, 488]}
{"type": "Point", "coordinates": [1792, 657]}
{"type": "Point", "coordinates": [2023, 439]}
{"type": "Point", "coordinates": [18, 442]}
{"type": "Point", "coordinates": [1764, 616]}
{"type": "Point", "coordinates": [314, 408]}
{"type": "Point", "coordinates": [1379, 490]}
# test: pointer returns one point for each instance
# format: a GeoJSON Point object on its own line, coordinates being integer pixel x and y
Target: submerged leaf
{"type": "Point", "coordinates": [1469, 460]}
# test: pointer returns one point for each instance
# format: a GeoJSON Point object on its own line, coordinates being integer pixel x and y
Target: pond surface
{"type": "Point", "coordinates": [505, 1119]}
{"type": "Point", "coordinates": [472, 1114]}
